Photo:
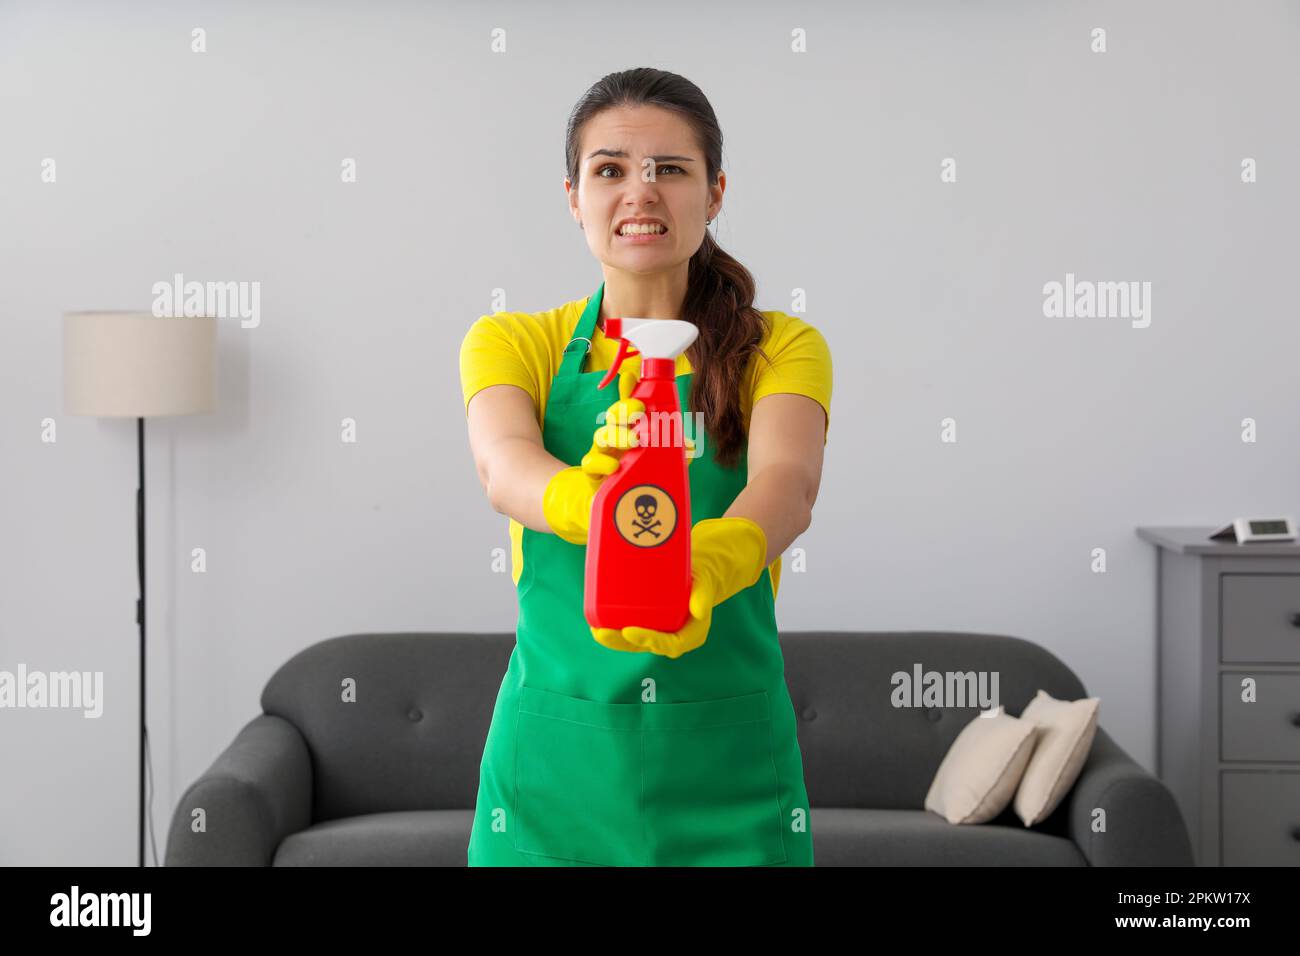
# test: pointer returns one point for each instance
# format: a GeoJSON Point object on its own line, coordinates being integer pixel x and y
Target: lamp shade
{"type": "Point", "coordinates": [138, 365]}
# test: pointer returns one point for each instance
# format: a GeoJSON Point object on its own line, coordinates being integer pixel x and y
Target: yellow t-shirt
{"type": "Point", "coordinates": [525, 349]}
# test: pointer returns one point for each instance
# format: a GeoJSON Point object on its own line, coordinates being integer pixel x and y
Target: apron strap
{"type": "Point", "coordinates": [580, 344]}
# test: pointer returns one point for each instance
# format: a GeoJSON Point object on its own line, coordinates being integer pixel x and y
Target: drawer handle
{"type": "Point", "coordinates": [1295, 719]}
{"type": "Point", "coordinates": [1295, 833]}
{"type": "Point", "coordinates": [1295, 619]}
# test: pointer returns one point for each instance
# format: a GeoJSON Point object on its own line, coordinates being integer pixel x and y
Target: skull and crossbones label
{"type": "Point", "coordinates": [645, 516]}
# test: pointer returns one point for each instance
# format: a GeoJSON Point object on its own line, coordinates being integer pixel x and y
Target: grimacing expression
{"type": "Point", "coordinates": [619, 149]}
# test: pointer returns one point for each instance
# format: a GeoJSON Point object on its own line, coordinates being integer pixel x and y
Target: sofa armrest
{"type": "Point", "coordinates": [257, 792]}
{"type": "Point", "coordinates": [1144, 826]}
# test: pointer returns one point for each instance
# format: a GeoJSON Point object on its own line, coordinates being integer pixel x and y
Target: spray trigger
{"type": "Point", "coordinates": [614, 330]}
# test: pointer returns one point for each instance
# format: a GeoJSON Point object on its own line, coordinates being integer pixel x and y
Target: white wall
{"type": "Point", "coordinates": [225, 166]}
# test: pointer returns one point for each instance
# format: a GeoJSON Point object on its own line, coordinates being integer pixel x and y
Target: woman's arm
{"type": "Point", "coordinates": [513, 464]}
{"type": "Point", "coordinates": [787, 438]}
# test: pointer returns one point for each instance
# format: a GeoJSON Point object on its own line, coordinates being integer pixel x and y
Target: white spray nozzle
{"type": "Point", "coordinates": [660, 338]}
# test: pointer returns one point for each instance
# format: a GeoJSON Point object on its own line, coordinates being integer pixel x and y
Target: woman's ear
{"type": "Point", "coordinates": [573, 201]}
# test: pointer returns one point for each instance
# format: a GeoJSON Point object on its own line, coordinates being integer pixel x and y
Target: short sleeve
{"type": "Point", "coordinates": [801, 364]}
{"type": "Point", "coordinates": [489, 355]}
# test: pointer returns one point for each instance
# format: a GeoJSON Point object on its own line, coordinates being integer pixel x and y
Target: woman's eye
{"type": "Point", "coordinates": [600, 172]}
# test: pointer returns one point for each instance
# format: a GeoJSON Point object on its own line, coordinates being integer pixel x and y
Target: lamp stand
{"type": "Point", "coordinates": [139, 617]}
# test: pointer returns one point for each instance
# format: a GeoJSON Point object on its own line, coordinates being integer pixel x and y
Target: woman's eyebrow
{"type": "Point", "coordinates": [623, 154]}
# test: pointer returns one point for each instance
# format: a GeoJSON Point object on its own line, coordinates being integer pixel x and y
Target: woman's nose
{"type": "Point", "coordinates": [637, 186]}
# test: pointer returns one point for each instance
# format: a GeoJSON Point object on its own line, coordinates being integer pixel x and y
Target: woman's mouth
{"type": "Point", "coordinates": [639, 233]}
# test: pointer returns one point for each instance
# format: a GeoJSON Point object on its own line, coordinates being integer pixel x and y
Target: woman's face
{"type": "Point", "coordinates": [642, 163]}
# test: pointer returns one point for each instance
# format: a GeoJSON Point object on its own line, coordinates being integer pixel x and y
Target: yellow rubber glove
{"type": "Point", "coordinates": [623, 425]}
{"type": "Point", "coordinates": [727, 556]}
{"type": "Point", "coordinates": [566, 502]}
{"type": "Point", "coordinates": [619, 433]}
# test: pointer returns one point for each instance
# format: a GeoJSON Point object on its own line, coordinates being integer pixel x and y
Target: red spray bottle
{"type": "Point", "coordinates": [639, 544]}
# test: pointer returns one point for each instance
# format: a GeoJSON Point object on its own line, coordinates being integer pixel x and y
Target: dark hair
{"type": "Point", "coordinates": [720, 291]}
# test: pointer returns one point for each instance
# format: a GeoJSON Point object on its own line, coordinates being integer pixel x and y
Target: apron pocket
{"type": "Point", "coordinates": [578, 779]}
{"type": "Point", "coordinates": [711, 790]}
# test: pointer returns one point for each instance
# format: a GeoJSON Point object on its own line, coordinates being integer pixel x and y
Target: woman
{"type": "Point", "coordinates": [634, 746]}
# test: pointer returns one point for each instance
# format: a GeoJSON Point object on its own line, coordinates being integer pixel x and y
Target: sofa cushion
{"type": "Point", "coordinates": [841, 837]}
{"type": "Point", "coordinates": [982, 768]}
{"type": "Point", "coordinates": [1065, 732]}
{"type": "Point", "coordinates": [403, 838]}
{"type": "Point", "coordinates": [859, 749]}
{"type": "Point", "coordinates": [851, 837]}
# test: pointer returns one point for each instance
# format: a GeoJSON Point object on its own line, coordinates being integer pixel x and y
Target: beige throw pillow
{"type": "Point", "coordinates": [980, 772]}
{"type": "Point", "coordinates": [1065, 732]}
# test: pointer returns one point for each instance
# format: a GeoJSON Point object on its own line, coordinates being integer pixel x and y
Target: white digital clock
{"type": "Point", "coordinates": [1245, 530]}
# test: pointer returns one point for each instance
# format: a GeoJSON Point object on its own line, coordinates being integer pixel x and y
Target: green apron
{"type": "Point", "coordinates": [614, 758]}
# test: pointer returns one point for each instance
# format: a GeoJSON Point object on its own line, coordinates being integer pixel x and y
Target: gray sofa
{"type": "Point", "coordinates": [391, 778]}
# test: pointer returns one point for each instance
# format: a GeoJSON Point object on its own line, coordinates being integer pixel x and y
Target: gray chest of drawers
{"type": "Point", "coordinates": [1228, 693]}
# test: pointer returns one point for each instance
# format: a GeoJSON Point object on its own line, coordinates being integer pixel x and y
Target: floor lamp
{"type": "Point", "coordinates": [138, 365]}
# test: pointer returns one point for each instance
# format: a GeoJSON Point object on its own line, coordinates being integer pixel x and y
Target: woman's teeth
{"type": "Point", "coordinates": [642, 230]}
